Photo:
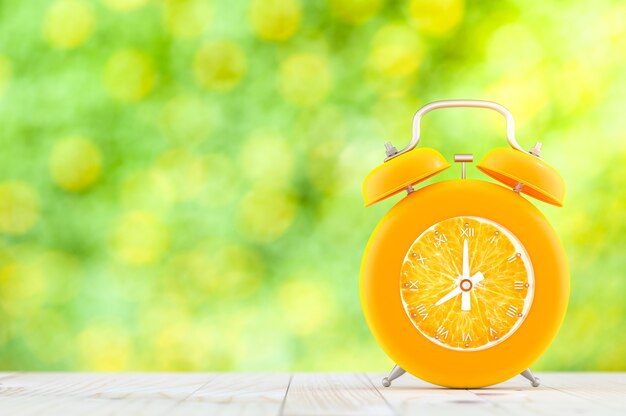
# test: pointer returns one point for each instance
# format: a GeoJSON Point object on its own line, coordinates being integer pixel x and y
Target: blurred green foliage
{"type": "Point", "coordinates": [180, 180]}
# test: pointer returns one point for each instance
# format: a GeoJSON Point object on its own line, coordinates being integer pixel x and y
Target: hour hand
{"type": "Point", "coordinates": [477, 278]}
{"type": "Point", "coordinates": [465, 296]}
{"type": "Point", "coordinates": [465, 301]}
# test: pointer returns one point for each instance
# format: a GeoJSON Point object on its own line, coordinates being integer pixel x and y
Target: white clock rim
{"type": "Point", "coordinates": [527, 302]}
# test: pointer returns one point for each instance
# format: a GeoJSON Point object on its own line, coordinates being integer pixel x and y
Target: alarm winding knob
{"type": "Point", "coordinates": [463, 159]}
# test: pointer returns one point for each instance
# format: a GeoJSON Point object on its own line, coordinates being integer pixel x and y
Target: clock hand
{"type": "Point", "coordinates": [477, 278]}
{"type": "Point", "coordinates": [449, 296]}
{"type": "Point", "coordinates": [465, 301]}
{"type": "Point", "coordinates": [466, 272]}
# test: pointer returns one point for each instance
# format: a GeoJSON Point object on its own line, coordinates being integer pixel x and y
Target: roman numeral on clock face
{"type": "Point", "coordinates": [518, 285]}
{"type": "Point", "coordinates": [494, 238]}
{"type": "Point", "coordinates": [418, 256]}
{"type": "Point", "coordinates": [442, 333]}
{"type": "Point", "coordinates": [467, 232]}
{"type": "Point", "coordinates": [512, 311]}
{"type": "Point", "coordinates": [421, 311]}
{"type": "Point", "coordinates": [412, 285]}
{"type": "Point", "coordinates": [514, 257]}
{"type": "Point", "coordinates": [440, 239]}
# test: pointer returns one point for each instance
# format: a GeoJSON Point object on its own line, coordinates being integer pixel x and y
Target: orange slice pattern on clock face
{"type": "Point", "coordinates": [467, 283]}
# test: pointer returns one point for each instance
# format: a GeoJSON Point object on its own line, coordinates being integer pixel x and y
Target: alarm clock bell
{"type": "Point", "coordinates": [525, 173]}
{"type": "Point", "coordinates": [401, 173]}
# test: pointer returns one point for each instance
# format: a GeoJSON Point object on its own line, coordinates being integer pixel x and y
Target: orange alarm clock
{"type": "Point", "coordinates": [464, 283]}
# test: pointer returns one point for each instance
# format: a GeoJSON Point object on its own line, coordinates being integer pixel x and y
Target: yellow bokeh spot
{"type": "Point", "coordinates": [105, 347]}
{"type": "Point", "coordinates": [311, 127]}
{"type": "Point", "coordinates": [75, 164]}
{"type": "Point", "coordinates": [124, 5]}
{"type": "Point", "coordinates": [396, 51]}
{"type": "Point", "coordinates": [19, 207]}
{"type": "Point", "coordinates": [50, 343]}
{"type": "Point", "coordinates": [219, 65]}
{"type": "Point", "coordinates": [321, 166]}
{"type": "Point", "coordinates": [187, 19]}
{"type": "Point", "coordinates": [140, 238]}
{"type": "Point", "coordinates": [187, 172]}
{"type": "Point", "coordinates": [182, 346]}
{"type": "Point", "coordinates": [213, 267]}
{"type": "Point", "coordinates": [578, 85]}
{"type": "Point", "coordinates": [62, 274]}
{"type": "Point", "coordinates": [149, 189]}
{"type": "Point", "coordinates": [248, 341]}
{"type": "Point", "coordinates": [510, 42]}
{"type": "Point", "coordinates": [275, 20]}
{"type": "Point", "coordinates": [129, 75]}
{"type": "Point", "coordinates": [187, 120]}
{"type": "Point", "coordinates": [305, 79]}
{"type": "Point", "coordinates": [68, 23]}
{"type": "Point", "coordinates": [524, 96]}
{"type": "Point", "coordinates": [178, 176]}
{"type": "Point", "coordinates": [353, 162]}
{"type": "Point", "coordinates": [23, 287]}
{"type": "Point", "coordinates": [239, 270]}
{"type": "Point", "coordinates": [394, 59]}
{"type": "Point", "coordinates": [198, 273]}
{"type": "Point", "coordinates": [6, 71]}
{"type": "Point", "coordinates": [306, 303]}
{"type": "Point", "coordinates": [31, 277]}
{"type": "Point", "coordinates": [322, 145]}
{"type": "Point", "coordinates": [436, 17]}
{"type": "Point", "coordinates": [355, 11]}
{"type": "Point", "coordinates": [267, 160]}
{"type": "Point", "coordinates": [222, 182]}
{"type": "Point", "coordinates": [265, 214]}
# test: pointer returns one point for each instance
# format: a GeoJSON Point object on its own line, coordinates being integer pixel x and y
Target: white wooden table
{"type": "Point", "coordinates": [96, 394]}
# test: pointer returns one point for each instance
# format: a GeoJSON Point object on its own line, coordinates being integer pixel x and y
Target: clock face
{"type": "Point", "coordinates": [467, 283]}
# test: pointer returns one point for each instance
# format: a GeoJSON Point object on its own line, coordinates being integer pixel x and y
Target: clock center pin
{"type": "Point", "coordinates": [466, 285]}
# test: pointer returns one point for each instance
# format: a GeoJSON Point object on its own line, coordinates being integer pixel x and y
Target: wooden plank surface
{"type": "Point", "coordinates": [559, 394]}
{"type": "Point", "coordinates": [337, 394]}
{"type": "Point", "coordinates": [237, 394]}
{"type": "Point", "coordinates": [517, 398]}
{"type": "Point", "coordinates": [96, 394]}
{"type": "Point", "coordinates": [409, 395]}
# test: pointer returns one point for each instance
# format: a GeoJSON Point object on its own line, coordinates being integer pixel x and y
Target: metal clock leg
{"type": "Point", "coordinates": [534, 381]}
{"type": "Point", "coordinates": [395, 373]}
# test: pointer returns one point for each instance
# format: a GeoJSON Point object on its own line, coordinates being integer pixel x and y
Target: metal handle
{"type": "Point", "coordinates": [510, 123]}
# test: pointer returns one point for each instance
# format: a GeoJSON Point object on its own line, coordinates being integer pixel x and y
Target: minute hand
{"type": "Point", "coordinates": [466, 272]}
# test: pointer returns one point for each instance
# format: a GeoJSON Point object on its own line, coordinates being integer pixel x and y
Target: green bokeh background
{"type": "Point", "coordinates": [180, 180]}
